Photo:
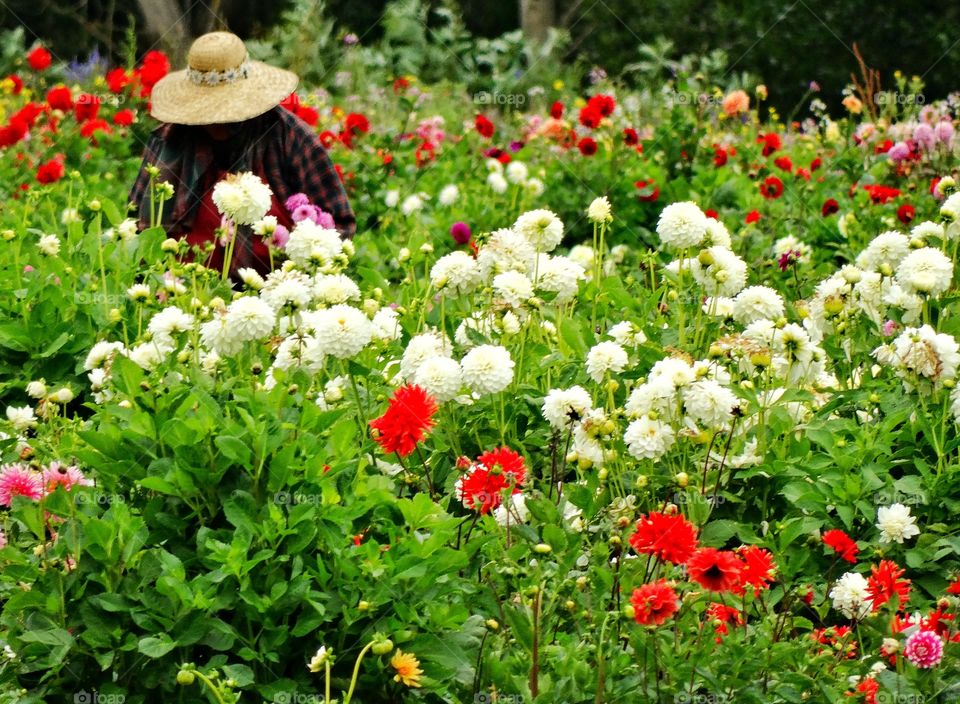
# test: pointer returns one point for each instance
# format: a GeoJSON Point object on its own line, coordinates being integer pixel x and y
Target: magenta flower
{"type": "Point", "coordinates": [280, 237]}
{"type": "Point", "coordinates": [304, 212]}
{"type": "Point", "coordinates": [924, 649]}
{"type": "Point", "coordinates": [325, 219]}
{"type": "Point", "coordinates": [460, 232]}
{"type": "Point", "coordinates": [296, 200]}
{"type": "Point", "coordinates": [19, 480]}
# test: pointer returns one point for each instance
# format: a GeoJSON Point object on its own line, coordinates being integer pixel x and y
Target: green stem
{"type": "Point", "coordinates": [356, 672]}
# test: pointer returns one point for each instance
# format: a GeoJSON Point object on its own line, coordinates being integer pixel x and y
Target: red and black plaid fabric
{"type": "Point", "coordinates": [277, 146]}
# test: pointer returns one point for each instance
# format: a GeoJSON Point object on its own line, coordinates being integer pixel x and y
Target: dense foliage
{"type": "Point", "coordinates": [613, 397]}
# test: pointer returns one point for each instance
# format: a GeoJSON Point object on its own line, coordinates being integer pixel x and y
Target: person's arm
{"type": "Point", "coordinates": [310, 171]}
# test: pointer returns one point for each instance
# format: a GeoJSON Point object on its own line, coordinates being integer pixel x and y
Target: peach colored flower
{"type": "Point", "coordinates": [736, 102]}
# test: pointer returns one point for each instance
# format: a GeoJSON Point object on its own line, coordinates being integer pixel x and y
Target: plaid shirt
{"type": "Point", "coordinates": [277, 146]}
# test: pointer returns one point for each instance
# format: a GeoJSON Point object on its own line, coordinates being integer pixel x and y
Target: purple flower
{"type": "Point", "coordinates": [924, 136]}
{"type": "Point", "coordinates": [516, 146]}
{"type": "Point", "coordinates": [460, 232]}
{"type": "Point", "coordinates": [351, 39]}
{"type": "Point", "coordinates": [899, 152]}
{"type": "Point", "coordinates": [296, 200]}
{"type": "Point", "coordinates": [944, 131]}
{"type": "Point", "coordinates": [280, 237]}
{"type": "Point", "coordinates": [814, 87]}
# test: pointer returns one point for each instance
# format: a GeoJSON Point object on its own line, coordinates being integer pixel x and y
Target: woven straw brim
{"type": "Point", "coordinates": [175, 99]}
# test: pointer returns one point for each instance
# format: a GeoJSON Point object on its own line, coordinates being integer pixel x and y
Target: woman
{"type": "Point", "coordinates": [223, 116]}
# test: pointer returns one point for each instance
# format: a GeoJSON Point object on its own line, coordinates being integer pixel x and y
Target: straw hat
{"type": "Point", "coordinates": [221, 84]}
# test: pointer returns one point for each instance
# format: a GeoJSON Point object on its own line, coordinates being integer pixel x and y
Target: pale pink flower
{"type": "Point", "coordinates": [57, 474]}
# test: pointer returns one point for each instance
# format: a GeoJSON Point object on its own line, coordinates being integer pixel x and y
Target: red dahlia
{"type": "Point", "coordinates": [483, 126]}
{"type": "Point", "coordinates": [587, 146]}
{"type": "Point", "coordinates": [556, 110]}
{"type": "Point", "coordinates": [51, 171]}
{"type": "Point", "coordinates": [590, 116]}
{"type": "Point", "coordinates": [155, 66]}
{"type": "Point", "coordinates": [757, 568]}
{"type": "Point", "coordinates": [408, 417]}
{"type": "Point", "coordinates": [771, 188]}
{"type": "Point", "coordinates": [630, 137]}
{"type": "Point", "coordinates": [60, 98]}
{"type": "Point", "coordinates": [505, 461]}
{"type": "Point", "coordinates": [715, 570]}
{"type": "Point", "coordinates": [830, 206]}
{"type": "Point", "coordinates": [86, 107]}
{"type": "Point", "coordinates": [842, 544]}
{"type": "Point", "coordinates": [771, 143]}
{"type": "Point", "coordinates": [117, 80]}
{"type": "Point", "coordinates": [670, 538]}
{"type": "Point", "coordinates": [884, 583]}
{"type": "Point", "coordinates": [489, 478]}
{"type": "Point", "coordinates": [906, 213]}
{"type": "Point", "coordinates": [39, 59]}
{"type": "Point", "coordinates": [603, 104]}
{"type": "Point", "coordinates": [723, 615]}
{"type": "Point", "coordinates": [654, 603]}
{"type": "Point", "coordinates": [357, 123]}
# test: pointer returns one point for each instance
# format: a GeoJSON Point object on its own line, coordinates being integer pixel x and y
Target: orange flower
{"type": "Point", "coordinates": [736, 102]}
{"type": "Point", "coordinates": [407, 667]}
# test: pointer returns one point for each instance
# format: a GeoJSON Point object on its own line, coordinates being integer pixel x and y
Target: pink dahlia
{"type": "Point", "coordinates": [19, 480]}
{"type": "Point", "coordinates": [924, 649]}
{"type": "Point", "coordinates": [57, 474]}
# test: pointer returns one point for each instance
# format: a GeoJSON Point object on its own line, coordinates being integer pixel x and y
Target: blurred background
{"type": "Point", "coordinates": [786, 43]}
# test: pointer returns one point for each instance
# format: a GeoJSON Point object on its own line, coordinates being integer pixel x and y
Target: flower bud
{"type": "Point", "coordinates": [381, 644]}
{"type": "Point", "coordinates": [185, 677]}
{"type": "Point", "coordinates": [682, 479]}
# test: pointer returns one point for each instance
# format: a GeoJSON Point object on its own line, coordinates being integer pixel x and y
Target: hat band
{"type": "Point", "coordinates": [218, 78]}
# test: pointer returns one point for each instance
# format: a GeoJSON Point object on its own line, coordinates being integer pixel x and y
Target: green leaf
{"type": "Point", "coordinates": [234, 449]}
{"type": "Point", "coordinates": [156, 647]}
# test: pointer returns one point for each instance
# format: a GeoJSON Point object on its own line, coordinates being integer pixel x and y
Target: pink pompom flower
{"type": "Point", "coordinates": [297, 200]}
{"type": "Point", "coordinates": [924, 649]}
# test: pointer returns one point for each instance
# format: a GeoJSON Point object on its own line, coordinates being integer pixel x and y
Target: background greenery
{"type": "Point", "coordinates": [788, 44]}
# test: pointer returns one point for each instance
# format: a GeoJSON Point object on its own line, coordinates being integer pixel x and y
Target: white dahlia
{"type": "Point", "coordinates": [487, 369]}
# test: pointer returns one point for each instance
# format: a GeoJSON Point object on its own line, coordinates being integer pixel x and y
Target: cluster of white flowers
{"type": "Point", "coordinates": [682, 226]}
{"type": "Point", "coordinates": [313, 246]}
{"type": "Point", "coordinates": [921, 354]}
{"type": "Point", "coordinates": [243, 198]}
{"type": "Point", "coordinates": [851, 595]}
{"type": "Point", "coordinates": [896, 524]}
{"type": "Point", "coordinates": [517, 173]}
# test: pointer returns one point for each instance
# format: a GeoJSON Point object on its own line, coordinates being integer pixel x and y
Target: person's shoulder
{"type": "Point", "coordinates": [292, 124]}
